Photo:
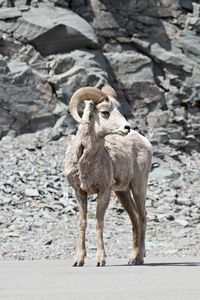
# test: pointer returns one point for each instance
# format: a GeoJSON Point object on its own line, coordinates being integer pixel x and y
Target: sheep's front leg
{"type": "Point", "coordinates": [81, 198]}
{"type": "Point", "coordinates": [102, 204]}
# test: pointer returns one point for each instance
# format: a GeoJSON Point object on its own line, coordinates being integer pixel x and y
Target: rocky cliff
{"type": "Point", "coordinates": [149, 51]}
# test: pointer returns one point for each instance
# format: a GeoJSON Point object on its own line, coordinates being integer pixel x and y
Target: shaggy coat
{"type": "Point", "coordinates": [104, 156]}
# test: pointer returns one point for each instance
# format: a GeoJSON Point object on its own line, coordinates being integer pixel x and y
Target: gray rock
{"type": "Point", "coordinates": [66, 125]}
{"type": "Point", "coordinates": [184, 201]}
{"type": "Point", "coordinates": [52, 30]}
{"type": "Point", "coordinates": [181, 222]}
{"type": "Point", "coordinates": [3, 67]}
{"type": "Point", "coordinates": [134, 74]}
{"type": "Point", "coordinates": [158, 154]}
{"type": "Point", "coordinates": [189, 42]}
{"type": "Point", "coordinates": [187, 4]}
{"type": "Point", "coordinates": [9, 13]}
{"type": "Point", "coordinates": [17, 66]}
{"type": "Point", "coordinates": [193, 20]}
{"type": "Point", "coordinates": [77, 69]}
{"type": "Point", "coordinates": [165, 173]}
{"type": "Point", "coordinates": [158, 118]}
{"type": "Point", "coordinates": [31, 192]}
{"type": "Point", "coordinates": [160, 137]}
{"type": "Point", "coordinates": [196, 9]}
{"type": "Point", "coordinates": [177, 60]}
{"type": "Point", "coordinates": [26, 100]}
{"type": "Point", "coordinates": [54, 135]}
{"type": "Point", "coordinates": [5, 201]}
{"type": "Point", "coordinates": [62, 3]}
{"type": "Point", "coordinates": [12, 133]}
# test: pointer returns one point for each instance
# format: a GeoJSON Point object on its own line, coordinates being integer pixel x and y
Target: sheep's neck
{"type": "Point", "coordinates": [92, 146]}
{"type": "Point", "coordinates": [92, 155]}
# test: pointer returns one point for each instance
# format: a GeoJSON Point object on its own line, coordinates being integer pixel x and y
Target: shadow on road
{"type": "Point", "coordinates": [174, 264]}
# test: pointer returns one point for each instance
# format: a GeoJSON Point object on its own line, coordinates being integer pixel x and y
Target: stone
{"type": "Point", "coordinates": [31, 192]}
{"type": "Point", "coordinates": [17, 66]}
{"type": "Point", "coordinates": [5, 200]}
{"type": "Point", "coordinates": [62, 3]}
{"type": "Point", "coordinates": [3, 67]}
{"type": "Point", "coordinates": [40, 26]}
{"type": "Point", "coordinates": [54, 135]}
{"type": "Point", "coordinates": [177, 60]}
{"type": "Point", "coordinates": [12, 133]}
{"type": "Point", "coordinates": [26, 100]}
{"type": "Point", "coordinates": [77, 69]}
{"type": "Point", "coordinates": [196, 9]}
{"type": "Point", "coordinates": [47, 243]}
{"type": "Point", "coordinates": [184, 201]}
{"type": "Point", "coordinates": [107, 25]}
{"type": "Point", "coordinates": [187, 4]}
{"type": "Point", "coordinates": [9, 13]}
{"type": "Point", "coordinates": [181, 222]}
{"type": "Point", "coordinates": [158, 118]}
{"type": "Point", "coordinates": [164, 172]}
{"type": "Point", "coordinates": [66, 125]}
{"type": "Point", "coordinates": [189, 42]}
{"type": "Point", "coordinates": [134, 74]}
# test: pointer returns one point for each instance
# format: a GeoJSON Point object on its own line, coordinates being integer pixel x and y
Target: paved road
{"type": "Point", "coordinates": [159, 278]}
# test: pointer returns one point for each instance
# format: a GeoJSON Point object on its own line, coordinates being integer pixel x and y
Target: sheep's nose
{"type": "Point", "coordinates": [127, 127]}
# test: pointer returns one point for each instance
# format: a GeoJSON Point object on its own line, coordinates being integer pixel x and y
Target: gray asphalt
{"type": "Point", "coordinates": [159, 278]}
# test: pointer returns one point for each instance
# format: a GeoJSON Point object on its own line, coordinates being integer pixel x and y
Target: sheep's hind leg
{"type": "Point", "coordinates": [127, 201]}
{"type": "Point", "coordinates": [81, 198]}
{"type": "Point", "coordinates": [102, 204]}
{"type": "Point", "coordinates": [140, 199]}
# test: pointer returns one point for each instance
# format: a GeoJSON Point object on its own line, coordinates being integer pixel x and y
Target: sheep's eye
{"type": "Point", "coordinates": [105, 114]}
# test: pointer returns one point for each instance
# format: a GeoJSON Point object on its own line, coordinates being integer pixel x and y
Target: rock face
{"type": "Point", "coordinates": [54, 30]}
{"type": "Point", "coordinates": [76, 69]}
{"type": "Point", "coordinates": [148, 51]}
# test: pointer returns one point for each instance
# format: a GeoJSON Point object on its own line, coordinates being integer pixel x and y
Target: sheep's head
{"type": "Point", "coordinates": [102, 111]}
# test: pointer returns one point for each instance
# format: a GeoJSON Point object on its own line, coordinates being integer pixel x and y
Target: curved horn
{"type": "Point", "coordinates": [108, 90]}
{"type": "Point", "coordinates": [81, 94]}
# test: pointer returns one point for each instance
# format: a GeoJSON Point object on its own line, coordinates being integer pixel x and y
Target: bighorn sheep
{"type": "Point", "coordinates": [106, 155]}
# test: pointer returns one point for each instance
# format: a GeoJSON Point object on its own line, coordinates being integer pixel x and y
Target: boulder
{"type": "Point", "coordinates": [189, 42]}
{"type": "Point", "coordinates": [17, 65]}
{"type": "Point", "coordinates": [187, 4]}
{"type": "Point", "coordinates": [176, 60]}
{"type": "Point", "coordinates": [193, 20]}
{"type": "Point", "coordinates": [8, 46]}
{"type": "Point", "coordinates": [134, 74]}
{"type": "Point", "coordinates": [10, 13]}
{"type": "Point", "coordinates": [3, 66]}
{"type": "Point", "coordinates": [54, 30]}
{"type": "Point", "coordinates": [26, 100]}
{"type": "Point", "coordinates": [77, 69]}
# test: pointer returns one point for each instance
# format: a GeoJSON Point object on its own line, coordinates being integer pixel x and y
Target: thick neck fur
{"type": "Point", "coordinates": [92, 146]}
{"type": "Point", "coordinates": [90, 154]}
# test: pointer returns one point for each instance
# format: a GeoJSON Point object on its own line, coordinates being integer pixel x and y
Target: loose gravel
{"type": "Point", "coordinates": [39, 215]}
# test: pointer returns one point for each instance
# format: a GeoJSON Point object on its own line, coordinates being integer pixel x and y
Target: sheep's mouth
{"type": "Point", "coordinates": [124, 132]}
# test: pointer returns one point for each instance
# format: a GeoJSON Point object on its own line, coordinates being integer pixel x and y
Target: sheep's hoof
{"type": "Point", "coordinates": [101, 263]}
{"type": "Point", "coordinates": [78, 263]}
{"type": "Point", "coordinates": [136, 261]}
